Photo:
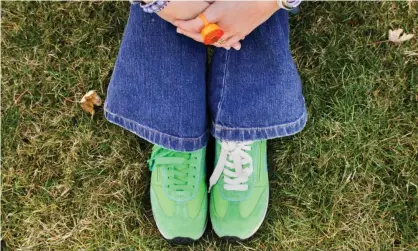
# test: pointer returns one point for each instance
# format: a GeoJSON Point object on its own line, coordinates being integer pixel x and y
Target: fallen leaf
{"type": "Point", "coordinates": [395, 36]}
{"type": "Point", "coordinates": [89, 100]}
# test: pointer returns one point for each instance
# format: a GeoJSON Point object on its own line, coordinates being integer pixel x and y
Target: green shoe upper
{"type": "Point", "coordinates": [178, 192]}
{"type": "Point", "coordinates": [239, 188]}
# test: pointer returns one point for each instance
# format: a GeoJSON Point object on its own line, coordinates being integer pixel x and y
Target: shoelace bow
{"type": "Point", "coordinates": [178, 168]}
{"type": "Point", "coordinates": [231, 161]}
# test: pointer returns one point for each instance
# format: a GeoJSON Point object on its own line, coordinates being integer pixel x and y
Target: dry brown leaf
{"type": "Point", "coordinates": [89, 100]}
{"type": "Point", "coordinates": [395, 36]}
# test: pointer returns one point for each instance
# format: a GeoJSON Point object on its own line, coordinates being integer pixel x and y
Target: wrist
{"type": "Point", "coordinates": [153, 6]}
{"type": "Point", "coordinates": [288, 4]}
{"type": "Point", "coordinates": [273, 6]}
{"type": "Point", "coordinates": [267, 6]}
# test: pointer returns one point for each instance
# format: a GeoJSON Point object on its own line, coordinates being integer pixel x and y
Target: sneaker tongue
{"type": "Point", "coordinates": [159, 151]}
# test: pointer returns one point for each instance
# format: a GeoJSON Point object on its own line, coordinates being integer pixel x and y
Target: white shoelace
{"type": "Point", "coordinates": [235, 176]}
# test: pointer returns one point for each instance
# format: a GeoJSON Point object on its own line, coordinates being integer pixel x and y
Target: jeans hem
{"type": "Point", "coordinates": [259, 133]}
{"type": "Point", "coordinates": [156, 137]}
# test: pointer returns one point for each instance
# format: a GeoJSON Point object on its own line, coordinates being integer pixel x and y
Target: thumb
{"type": "Point", "coordinates": [196, 25]}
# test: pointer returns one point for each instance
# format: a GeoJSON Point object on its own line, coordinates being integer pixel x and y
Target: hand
{"type": "Point", "coordinates": [237, 19]}
{"type": "Point", "coordinates": [181, 10]}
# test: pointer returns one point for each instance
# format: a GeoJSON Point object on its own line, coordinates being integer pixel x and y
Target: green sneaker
{"type": "Point", "coordinates": [239, 188]}
{"type": "Point", "coordinates": [179, 193]}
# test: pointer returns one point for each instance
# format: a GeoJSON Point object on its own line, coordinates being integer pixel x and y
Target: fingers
{"type": "Point", "coordinates": [197, 37]}
{"type": "Point", "coordinates": [229, 41]}
{"type": "Point", "coordinates": [221, 41]}
{"type": "Point", "coordinates": [193, 25]}
{"type": "Point", "coordinates": [194, 35]}
{"type": "Point", "coordinates": [232, 42]}
{"type": "Point", "coordinates": [237, 46]}
{"type": "Point", "coordinates": [212, 15]}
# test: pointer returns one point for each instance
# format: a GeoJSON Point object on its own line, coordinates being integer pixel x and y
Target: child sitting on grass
{"type": "Point", "coordinates": [163, 91]}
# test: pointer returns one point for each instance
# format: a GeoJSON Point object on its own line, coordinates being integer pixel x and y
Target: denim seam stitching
{"type": "Point", "coordinates": [260, 128]}
{"type": "Point", "coordinates": [156, 131]}
{"type": "Point", "coordinates": [218, 115]}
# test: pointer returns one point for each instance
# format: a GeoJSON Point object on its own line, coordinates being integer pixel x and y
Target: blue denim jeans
{"type": "Point", "coordinates": [163, 90]}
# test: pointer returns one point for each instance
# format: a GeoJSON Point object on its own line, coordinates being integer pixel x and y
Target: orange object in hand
{"type": "Point", "coordinates": [211, 33]}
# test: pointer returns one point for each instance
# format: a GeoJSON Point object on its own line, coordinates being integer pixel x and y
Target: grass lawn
{"type": "Point", "coordinates": [349, 181]}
